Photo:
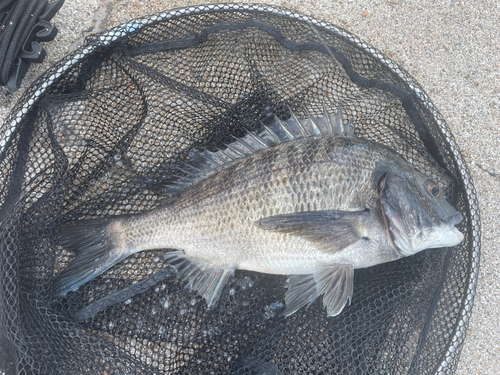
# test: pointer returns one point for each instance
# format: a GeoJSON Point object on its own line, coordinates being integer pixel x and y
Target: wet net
{"type": "Point", "coordinates": [97, 135]}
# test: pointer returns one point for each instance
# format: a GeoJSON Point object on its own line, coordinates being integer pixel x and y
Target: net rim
{"type": "Point", "coordinates": [107, 38]}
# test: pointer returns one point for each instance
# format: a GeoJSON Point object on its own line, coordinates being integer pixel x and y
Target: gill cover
{"type": "Point", "coordinates": [415, 215]}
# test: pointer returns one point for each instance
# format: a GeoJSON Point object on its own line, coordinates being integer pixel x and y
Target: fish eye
{"type": "Point", "coordinates": [434, 190]}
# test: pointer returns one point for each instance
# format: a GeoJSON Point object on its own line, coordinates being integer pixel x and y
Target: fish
{"type": "Point", "coordinates": [303, 197]}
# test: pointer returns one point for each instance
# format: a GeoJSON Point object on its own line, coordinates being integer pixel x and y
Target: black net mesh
{"type": "Point", "coordinates": [97, 134]}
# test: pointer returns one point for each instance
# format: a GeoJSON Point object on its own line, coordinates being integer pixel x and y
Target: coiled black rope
{"type": "Point", "coordinates": [23, 24]}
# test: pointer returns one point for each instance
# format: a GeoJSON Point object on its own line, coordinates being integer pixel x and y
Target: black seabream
{"type": "Point", "coordinates": [303, 198]}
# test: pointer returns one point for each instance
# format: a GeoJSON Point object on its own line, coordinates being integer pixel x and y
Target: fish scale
{"type": "Point", "coordinates": [227, 194]}
{"type": "Point", "coordinates": [295, 203]}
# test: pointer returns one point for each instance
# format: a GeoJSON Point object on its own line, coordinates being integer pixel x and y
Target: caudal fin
{"type": "Point", "coordinates": [94, 251]}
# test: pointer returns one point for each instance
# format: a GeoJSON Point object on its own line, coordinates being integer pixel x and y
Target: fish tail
{"type": "Point", "coordinates": [95, 252]}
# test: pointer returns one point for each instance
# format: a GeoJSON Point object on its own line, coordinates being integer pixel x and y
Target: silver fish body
{"type": "Point", "coordinates": [315, 207]}
{"type": "Point", "coordinates": [217, 222]}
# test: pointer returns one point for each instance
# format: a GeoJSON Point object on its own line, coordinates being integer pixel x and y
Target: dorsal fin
{"type": "Point", "coordinates": [205, 163]}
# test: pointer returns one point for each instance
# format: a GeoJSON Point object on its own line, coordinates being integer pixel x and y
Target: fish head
{"type": "Point", "coordinates": [415, 212]}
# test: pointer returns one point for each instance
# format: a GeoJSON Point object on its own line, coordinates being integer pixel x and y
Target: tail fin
{"type": "Point", "coordinates": [94, 250]}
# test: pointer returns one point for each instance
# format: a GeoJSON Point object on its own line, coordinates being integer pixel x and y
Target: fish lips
{"type": "Point", "coordinates": [455, 220]}
{"type": "Point", "coordinates": [443, 235]}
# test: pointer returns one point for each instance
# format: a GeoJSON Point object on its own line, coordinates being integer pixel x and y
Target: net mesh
{"type": "Point", "coordinates": [97, 134]}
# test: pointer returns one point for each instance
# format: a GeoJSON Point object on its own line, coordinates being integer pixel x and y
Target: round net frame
{"type": "Point", "coordinates": [97, 134]}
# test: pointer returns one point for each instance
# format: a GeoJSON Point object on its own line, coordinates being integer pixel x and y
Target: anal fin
{"type": "Point", "coordinates": [301, 292]}
{"type": "Point", "coordinates": [208, 282]}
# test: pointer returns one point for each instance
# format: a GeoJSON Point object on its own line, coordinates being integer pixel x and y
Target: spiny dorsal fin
{"type": "Point", "coordinates": [205, 163]}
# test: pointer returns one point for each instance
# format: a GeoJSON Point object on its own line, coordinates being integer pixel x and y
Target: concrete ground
{"type": "Point", "coordinates": [452, 49]}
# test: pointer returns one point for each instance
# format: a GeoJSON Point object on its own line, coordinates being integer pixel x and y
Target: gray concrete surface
{"type": "Point", "coordinates": [451, 47]}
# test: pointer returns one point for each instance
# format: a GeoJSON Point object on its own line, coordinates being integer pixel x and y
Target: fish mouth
{"type": "Point", "coordinates": [456, 219]}
{"type": "Point", "coordinates": [460, 235]}
{"type": "Point", "coordinates": [444, 235]}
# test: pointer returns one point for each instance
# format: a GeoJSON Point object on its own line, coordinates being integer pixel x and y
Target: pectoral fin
{"type": "Point", "coordinates": [330, 230]}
